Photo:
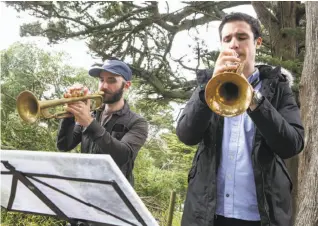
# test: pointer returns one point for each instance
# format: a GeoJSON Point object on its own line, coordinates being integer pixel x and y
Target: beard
{"type": "Point", "coordinates": [110, 98]}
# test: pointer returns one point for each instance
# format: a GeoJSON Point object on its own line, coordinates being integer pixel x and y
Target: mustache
{"type": "Point", "coordinates": [107, 92]}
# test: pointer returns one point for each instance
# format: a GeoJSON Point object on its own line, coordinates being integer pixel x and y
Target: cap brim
{"type": "Point", "coordinates": [95, 72]}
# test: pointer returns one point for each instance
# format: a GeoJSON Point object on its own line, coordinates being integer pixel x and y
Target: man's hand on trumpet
{"type": "Point", "coordinates": [80, 109]}
{"type": "Point", "coordinates": [227, 60]}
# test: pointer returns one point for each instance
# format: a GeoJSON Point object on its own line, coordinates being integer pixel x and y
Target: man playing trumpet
{"type": "Point", "coordinates": [238, 176]}
{"type": "Point", "coordinates": [113, 130]}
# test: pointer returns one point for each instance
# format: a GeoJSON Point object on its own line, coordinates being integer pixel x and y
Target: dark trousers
{"type": "Point", "coordinates": [223, 221]}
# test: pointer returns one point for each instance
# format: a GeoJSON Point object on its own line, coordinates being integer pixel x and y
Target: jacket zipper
{"type": "Point", "coordinates": [263, 182]}
{"type": "Point", "coordinates": [265, 203]}
{"type": "Point", "coordinates": [216, 165]}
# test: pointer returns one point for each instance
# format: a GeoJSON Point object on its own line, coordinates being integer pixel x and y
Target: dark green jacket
{"type": "Point", "coordinates": [121, 137]}
{"type": "Point", "coordinates": [279, 135]}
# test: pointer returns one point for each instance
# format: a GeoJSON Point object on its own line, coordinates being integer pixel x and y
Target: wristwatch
{"type": "Point", "coordinates": [257, 98]}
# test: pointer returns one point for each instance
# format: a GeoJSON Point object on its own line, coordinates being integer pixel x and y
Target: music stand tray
{"type": "Point", "coordinates": [86, 188]}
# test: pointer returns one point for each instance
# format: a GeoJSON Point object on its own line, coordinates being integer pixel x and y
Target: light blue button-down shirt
{"type": "Point", "coordinates": [236, 192]}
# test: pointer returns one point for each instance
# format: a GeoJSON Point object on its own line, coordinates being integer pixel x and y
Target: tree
{"type": "Point", "coordinates": [130, 31]}
{"type": "Point", "coordinates": [145, 35]}
{"type": "Point", "coordinates": [283, 22]}
{"type": "Point", "coordinates": [307, 200]}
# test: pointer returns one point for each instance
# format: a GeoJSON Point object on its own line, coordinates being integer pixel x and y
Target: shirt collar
{"type": "Point", "coordinates": [122, 111]}
{"type": "Point", "coordinates": [253, 76]}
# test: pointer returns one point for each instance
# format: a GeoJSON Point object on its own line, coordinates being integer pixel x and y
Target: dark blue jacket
{"type": "Point", "coordinates": [279, 135]}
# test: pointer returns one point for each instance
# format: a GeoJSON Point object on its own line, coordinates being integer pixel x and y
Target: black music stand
{"type": "Point", "coordinates": [83, 189]}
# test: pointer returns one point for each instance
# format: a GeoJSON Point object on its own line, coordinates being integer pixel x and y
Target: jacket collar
{"type": "Point", "coordinates": [124, 110]}
{"type": "Point", "coordinates": [271, 72]}
{"type": "Point", "coordinates": [120, 112]}
{"type": "Point", "coordinates": [269, 77]}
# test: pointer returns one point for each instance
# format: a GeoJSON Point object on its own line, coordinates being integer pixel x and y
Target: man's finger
{"type": "Point", "coordinates": [229, 52]}
{"type": "Point", "coordinates": [229, 67]}
{"type": "Point", "coordinates": [85, 90]}
{"type": "Point", "coordinates": [76, 104]}
{"type": "Point", "coordinates": [67, 95]}
{"type": "Point", "coordinates": [70, 109]}
{"type": "Point", "coordinates": [229, 59]}
{"type": "Point", "coordinates": [225, 68]}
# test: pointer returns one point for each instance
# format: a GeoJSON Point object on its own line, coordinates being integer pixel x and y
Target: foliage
{"type": "Point", "coordinates": [161, 167]}
{"type": "Point", "coordinates": [18, 219]}
{"type": "Point", "coordinates": [283, 24]}
{"type": "Point", "coordinates": [26, 67]}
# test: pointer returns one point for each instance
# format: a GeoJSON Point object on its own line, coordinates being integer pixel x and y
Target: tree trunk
{"type": "Point", "coordinates": [284, 44]}
{"type": "Point", "coordinates": [276, 17]}
{"type": "Point", "coordinates": [307, 197]}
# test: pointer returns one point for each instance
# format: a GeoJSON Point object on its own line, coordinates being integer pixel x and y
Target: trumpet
{"type": "Point", "coordinates": [229, 93]}
{"type": "Point", "coordinates": [30, 108]}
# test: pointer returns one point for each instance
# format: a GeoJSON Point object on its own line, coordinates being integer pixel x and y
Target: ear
{"type": "Point", "coordinates": [258, 42]}
{"type": "Point", "coordinates": [127, 84]}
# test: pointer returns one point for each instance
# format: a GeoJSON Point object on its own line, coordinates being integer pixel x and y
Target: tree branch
{"type": "Point", "coordinates": [156, 83]}
{"type": "Point", "coordinates": [264, 15]}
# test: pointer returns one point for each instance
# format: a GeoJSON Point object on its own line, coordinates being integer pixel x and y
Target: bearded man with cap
{"type": "Point", "coordinates": [113, 130]}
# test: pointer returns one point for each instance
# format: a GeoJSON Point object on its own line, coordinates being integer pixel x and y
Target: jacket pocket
{"type": "Point", "coordinates": [118, 135]}
{"type": "Point", "coordinates": [193, 169]}
{"type": "Point", "coordinates": [192, 172]}
{"type": "Point", "coordinates": [283, 166]}
{"type": "Point", "coordinates": [118, 131]}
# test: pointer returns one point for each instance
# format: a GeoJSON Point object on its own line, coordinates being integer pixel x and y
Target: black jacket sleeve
{"type": "Point", "coordinates": [121, 150]}
{"type": "Point", "coordinates": [194, 119]}
{"type": "Point", "coordinates": [282, 128]}
{"type": "Point", "coordinates": [69, 134]}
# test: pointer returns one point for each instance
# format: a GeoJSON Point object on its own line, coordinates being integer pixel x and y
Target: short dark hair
{"type": "Point", "coordinates": [254, 23]}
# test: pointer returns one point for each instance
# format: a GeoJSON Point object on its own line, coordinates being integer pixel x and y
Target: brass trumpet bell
{"type": "Point", "coordinates": [30, 108]}
{"type": "Point", "coordinates": [229, 93]}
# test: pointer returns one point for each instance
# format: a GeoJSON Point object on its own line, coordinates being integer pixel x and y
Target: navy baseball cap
{"type": "Point", "coordinates": [113, 66]}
